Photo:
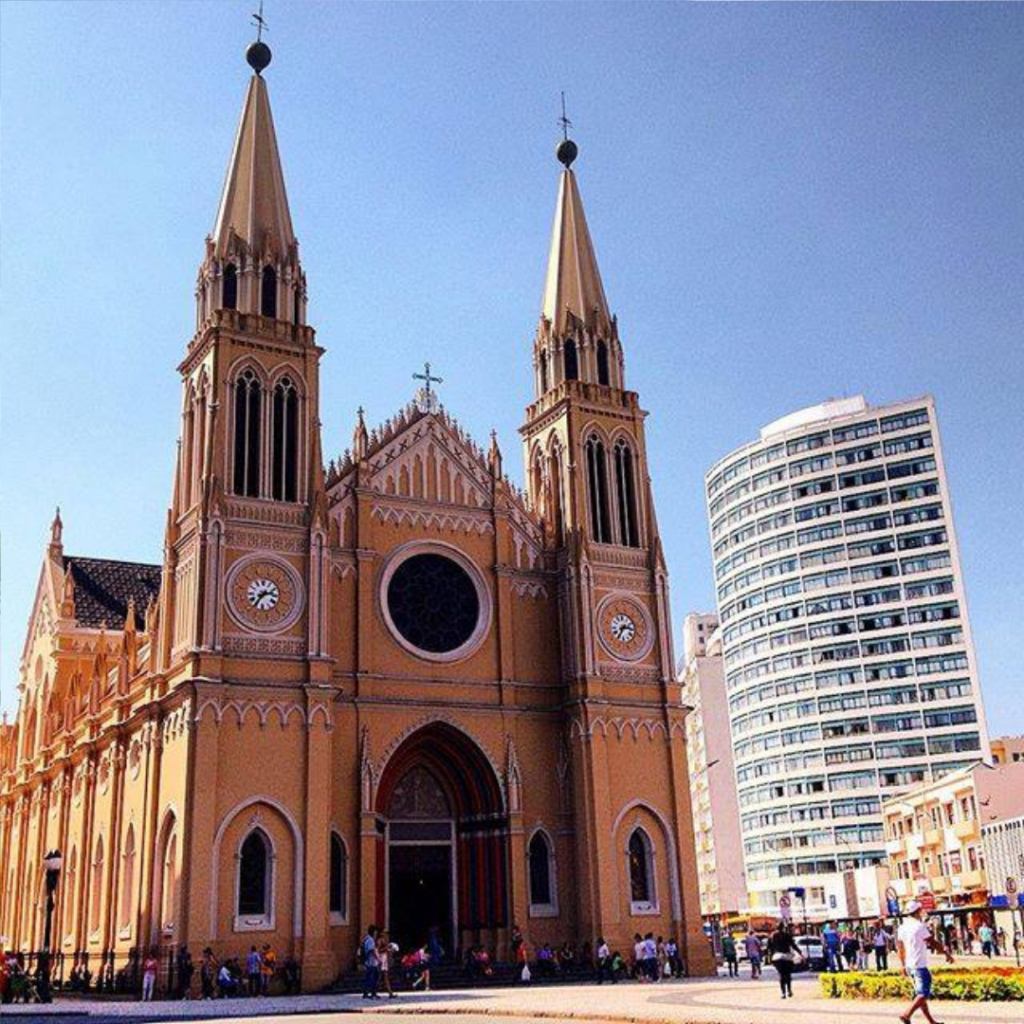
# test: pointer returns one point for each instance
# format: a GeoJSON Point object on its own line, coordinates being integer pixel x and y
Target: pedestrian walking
{"type": "Point", "coordinates": [729, 955]}
{"type": "Point", "coordinates": [672, 948]}
{"type": "Point", "coordinates": [784, 954]}
{"type": "Point", "coordinates": [386, 950]}
{"type": "Point", "coordinates": [881, 939]}
{"type": "Point", "coordinates": [604, 962]}
{"type": "Point", "coordinates": [863, 951]}
{"type": "Point", "coordinates": [752, 947]}
{"type": "Point", "coordinates": [371, 963]}
{"type": "Point", "coordinates": [150, 966]}
{"type": "Point", "coordinates": [268, 968]}
{"type": "Point", "coordinates": [207, 974]}
{"type": "Point", "coordinates": [650, 957]}
{"type": "Point", "coordinates": [913, 940]}
{"type": "Point", "coordinates": [833, 947]}
{"type": "Point", "coordinates": [254, 971]}
{"type": "Point", "coordinates": [185, 971]}
{"type": "Point", "coordinates": [850, 946]}
{"type": "Point", "coordinates": [986, 936]}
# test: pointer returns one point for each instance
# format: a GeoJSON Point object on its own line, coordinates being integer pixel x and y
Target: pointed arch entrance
{"type": "Point", "coordinates": [446, 841]}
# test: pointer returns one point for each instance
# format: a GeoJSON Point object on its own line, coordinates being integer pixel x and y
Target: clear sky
{"type": "Point", "coordinates": [789, 203]}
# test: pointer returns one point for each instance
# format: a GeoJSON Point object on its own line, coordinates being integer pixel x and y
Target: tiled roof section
{"type": "Point", "coordinates": [103, 588]}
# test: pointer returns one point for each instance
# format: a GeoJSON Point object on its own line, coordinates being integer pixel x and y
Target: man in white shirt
{"type": "Point", "coordinates": [913, 940]}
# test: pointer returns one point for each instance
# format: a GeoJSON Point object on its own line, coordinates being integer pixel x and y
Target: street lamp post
{"type": "Point", "coordinates": [51, 865]}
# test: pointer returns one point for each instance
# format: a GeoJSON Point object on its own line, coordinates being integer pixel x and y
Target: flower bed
{"type": "Point", "coordinates": [992, 984]}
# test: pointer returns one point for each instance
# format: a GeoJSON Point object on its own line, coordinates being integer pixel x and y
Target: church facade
{"type": "Point", "coordinates": [394, 688]}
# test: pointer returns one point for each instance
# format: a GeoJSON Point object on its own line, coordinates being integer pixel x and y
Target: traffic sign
{"type": "Point", "coordinates": [785, 908]}
{"type": "Point", "coordinates": [927, 900]}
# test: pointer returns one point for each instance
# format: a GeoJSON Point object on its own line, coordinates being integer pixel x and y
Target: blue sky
{"type": "Point", "coordinates": [789, 203]}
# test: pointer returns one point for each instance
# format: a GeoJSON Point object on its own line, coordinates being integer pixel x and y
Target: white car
{"type": "Point", "coordinates": [813, 952]}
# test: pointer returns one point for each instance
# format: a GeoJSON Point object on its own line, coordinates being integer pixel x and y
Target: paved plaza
{"type": "Point", "coordinates": [704, 1001]}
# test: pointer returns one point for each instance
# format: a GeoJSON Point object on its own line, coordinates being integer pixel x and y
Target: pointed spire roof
{"type": "Point", "coordinates": [254, 204]}
{"type": "Point", "coordinates": [573, 283]}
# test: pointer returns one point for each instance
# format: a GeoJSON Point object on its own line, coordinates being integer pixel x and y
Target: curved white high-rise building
{"type": "Point", "coordinates": [849, 666]}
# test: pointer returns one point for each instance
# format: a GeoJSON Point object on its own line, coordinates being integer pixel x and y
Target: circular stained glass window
{"type": "Point", "coordinates": [433, 603]}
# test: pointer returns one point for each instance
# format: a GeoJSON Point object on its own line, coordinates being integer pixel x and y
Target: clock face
{"type": "Point", "coordinates": [624, 628]}
{"type": "Point", "coordinates": [264, 594]}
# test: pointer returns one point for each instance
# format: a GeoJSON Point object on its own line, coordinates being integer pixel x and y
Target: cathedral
{"type": "Point", "coordinates": [393, 688]}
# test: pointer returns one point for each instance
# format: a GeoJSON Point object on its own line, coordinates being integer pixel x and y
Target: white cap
{"type": "Point", "coordinates": [913, 907]}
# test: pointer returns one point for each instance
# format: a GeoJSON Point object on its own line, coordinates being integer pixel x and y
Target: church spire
{"type": "Point", "coordinates": [577, 339]}
{"type": "Point", "coordinates": [252, 255]}
{"type": "Point", "coordinates": [254, 204]}
{"type": "Point", "coordinates": [573, 288]}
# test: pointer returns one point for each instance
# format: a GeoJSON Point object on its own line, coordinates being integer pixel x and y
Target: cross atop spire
{"type": "Point", "coordinates": [426, 397]}
{"type": "Point", "coordinates": [258, 55]}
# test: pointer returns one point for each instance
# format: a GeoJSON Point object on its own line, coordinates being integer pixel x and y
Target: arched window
{"type": "Point", "coordinates": [268, 291]}
{"type": "Point", "coordinates": [542, 868]}
{"type": "Point", "coordinates": [641, 870]}
{"type": "Point", "coordinates": [625, 493]}
{"type": "Point", "coordinates": [338, 894]}
{"type": "Point", "coordinates": [248, 395]}
{"type": "Point", "coordinates": [254, 875]}
{"type": "Point", "coordinates": [542, 367]}
{"type": "Point", "coordinates": [127, 878]}
{"type": "Point", "coordinates": [572, 363]}
{"type": "Point", "coordinates": [555, 483]}
{"type": "Point", "coordinates": [96, 888]}
{"type": "Point", "coordinates": [230, 287]}
{"type": "Point", "coordinates": [603, 376]}
{"type": "Point", "coordinates": [597, 490]}
{"type": "Point", "coordinates": [68, 889]}
{"type": "Point", "coordinates": [284, 484]}
{"type": "Point", "coordinates": [169, 882]}
{"type": "Point", "coordinates": [29, 745]}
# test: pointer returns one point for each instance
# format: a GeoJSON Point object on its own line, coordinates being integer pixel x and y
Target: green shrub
{"type": "Point", "coordinates": [958, 983]}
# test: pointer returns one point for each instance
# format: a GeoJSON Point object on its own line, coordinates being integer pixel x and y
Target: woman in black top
{"type": "Point", "coordinates": [783, 953]}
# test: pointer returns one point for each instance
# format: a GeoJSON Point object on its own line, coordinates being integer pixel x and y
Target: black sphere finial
{"type": "Point", "coordinates": [258, 56]}
{"type": "Point", "coordinates": [567, 152]}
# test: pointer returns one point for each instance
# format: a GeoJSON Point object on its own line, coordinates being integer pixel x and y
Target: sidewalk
{"type": "Point", "coordinates": [704, 1001]}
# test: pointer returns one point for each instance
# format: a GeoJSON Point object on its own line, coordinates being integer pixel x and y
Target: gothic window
{"type": "Point", "coordinates": [603, 376]}
{"type": "Point", "coordinates": [268, 291]}
{"type": "Point", "coordinates": [127, 878]}
{"type": "Point", "coordinates": [555, 483]}
{"type": "Point", "coordinates": [248, 394]}
{"type": "Point", "coordinates": [297, 305]}
{"type": "Point", "coordinates": [541, 865]}
{"type": "Point", "coordinates": [169, 881]}
{"type": "Point", "coordinates": [254, 875]}
{"type": "Point", "coordinates": [572, 364]}
{"type": "Point", "coordinates": [338, 891]}
{"type": "Point", "coordinates": [625, 493]}
{"type": "Point", "coordinates": [230, 287]}
{"type": "Point", "coordinates": [285, 449]}
{"type": "Point", "coordinates": [641, 869]}
{"type": "Point", "coordinates": [96, 888]}
{"type": "Point", "coordinates": [542, 365]}
{"type": "Point", "coordinates": [597, 490]}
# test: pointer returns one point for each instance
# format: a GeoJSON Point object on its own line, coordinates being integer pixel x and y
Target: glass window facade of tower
{"type": "Point", "coordinates": [849, 666]}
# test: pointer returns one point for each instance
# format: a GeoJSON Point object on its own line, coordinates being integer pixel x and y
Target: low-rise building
{"type": "Point", "coordinates": [1008, 749]}
{"type": "Point", "coordinates": [935, 838]}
